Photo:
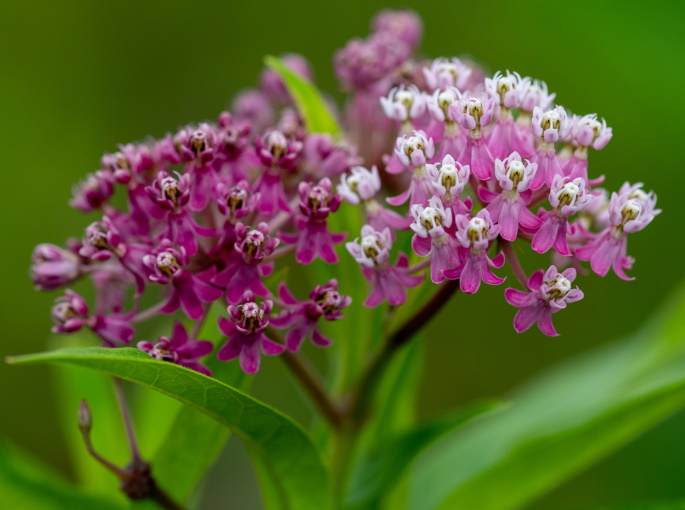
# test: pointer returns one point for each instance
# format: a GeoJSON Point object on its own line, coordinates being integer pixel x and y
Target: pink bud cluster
{"type": "Point", "coordinates": [204, 214]}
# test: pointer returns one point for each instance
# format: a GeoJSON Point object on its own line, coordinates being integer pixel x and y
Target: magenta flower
{"type": "Point", "coordinates": [362, 63]}
{"type": "Point", "coordinates": [111, 283]}
{"type": "Point", "coordinates": [566, 198]}
{"type": "Point", "coordinates": [325, 158]}
{"type": "Point", "coordinates": [104, 242]}
{"type": "Point", "coordinates": [404, 25]}
{"type": "Point", "coordinates": [53, 267]}
{"type": "Point", "coordinates": [172, 197]}
{"type": "Point", "coordinates": [166, 265]}
{"type": "Point", "coordinates": [444, 127]}
{"type": "Point", "coordinates": [197, 145]}
{"type": "Point", "coordinates": [444, 73]}
{"type": "Point", "coordinates": [534, 93]}
{"type": "Point", "coordinates": [237, 201]}
{"type": "Point", "coordinates": [232, 140]}
{"type": "Point", "coordinates": [438, 104]}
{"type": "Point", "coordinates": [448, 180]}
{"type": "Point", "coordinates": [70, 313]}
{"type": "Point", "coordinates": [587, 132]}
{"type": "Point", "coordinates": [507, 136]}
{"type": "Point", "coordinates": [245, 267]}
{"type": "Point", "coordinates": [314, 239]}
{"type": "Point", "coordinates": [253, 106]}
{"type": "Point", "coordinates": [94, 192]}
{"type": "Point", "coordinates": [179, 349]}
{"type": "Point", "coordinates": [509, 208]}
{"type": "Point", "coordinates": [630, 210]}
{"type": "Point", "coordinates": [548, 294]}
{"type": "Point", "coordinates": [549, 127]}
{"type": "Point", "coordinates": [276, 153]}
{"type": "Point", "coordinates": [245, 332]}
{"type": "Point", "coordinates": [472, 114]}
{"type": "Point", "coordinates": [415, 151]}
{"type": "Point", "coordinates": [474, 236]}
{"type": "Point", "coordinates": [432, 239]}
{"type": "Point", "coordinates": [360, 186]}
{"type": "Point", "coordinates": [303, 316]}
{"type": "Point", "coordinates": [404, 104]}
{"type": "Point", "coordinates": [389, 282]}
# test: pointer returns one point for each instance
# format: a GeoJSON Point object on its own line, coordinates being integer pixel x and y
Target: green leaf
{"type": "Point", "coordinates": [384, 464]}
{"type": "Point", "coordinates": [317, 116]}
{"type": "Point", "coordinates": [559, 424]}
{"type": "Point", "coordinates": [24, 484]}
{"type": "Point", "coordinates": [284, 449]}
{"type": "Point", "coordinates": [193, 442]}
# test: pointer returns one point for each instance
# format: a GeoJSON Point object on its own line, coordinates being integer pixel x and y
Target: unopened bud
{"type": "Point", "coordinates": [85, 419]}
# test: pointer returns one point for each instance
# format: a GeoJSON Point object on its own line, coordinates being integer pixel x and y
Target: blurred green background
{"type": "Point", "coordinates": [78, 77]}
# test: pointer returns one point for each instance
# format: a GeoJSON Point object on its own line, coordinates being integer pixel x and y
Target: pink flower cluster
{"type": "Point", "coordinates": [475, 163]}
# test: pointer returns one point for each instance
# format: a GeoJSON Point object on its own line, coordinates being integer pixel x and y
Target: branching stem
{"type": "Point", "coordinates": [513, 260]}
{"type": "Point", "coordinates": [312, 383]}
{"type": "Point", "coordinates": [126, 416]}
{"type": "Point", "coordinates": [361, 399]}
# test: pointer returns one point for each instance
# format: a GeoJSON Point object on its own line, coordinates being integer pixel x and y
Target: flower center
{"type": "Point", "coordinates": [170, 189]}
{"type": "Point", "coordinates": [62, 312]}
{"type": "Point", "coordinates": [252, 315]}
{"type": "Point", "coordinates": [449, 68]}
{"type": "Point", "coordinates": [329, 301]}
{"type": "Point", "coordinates": [639, 195]}
{"type": "Point", "coordinates": [253, 241]}
{"type": "Point", "coordinates": [162, 351]}
{"type": "Point", "coordinates": [97, 238]}
{"type": "Point", "coordinates": [448, 176]}
{"type": "Point", "coordinates": [568, 194]}
{"type": "Point", "coordinates": [353, 182]}
{"type": "Point", "coordinates": [411, 144]}
{"type": "Point", "coordinates": [474, 107]}
{"type": "Point", "coordinates": [167, 263]}
{"type": "Point", "coordinates": [630, 211]}
{"type": "Point", "coordinates": [236, 199]}
{"type": "Point", "coordinates": [594, 124]}
{"type": "Point", "coordinates": [277, 144]}
{"type": "Point", "coordinates": [477, 230]}
{"type": "Point", "coordinates": [550, 120]}
{"type": "Point", "coordinates": [405, 98]}
{"type": "Point", "coordinates": [445, 99]}
{"type": "Point", "coordinates": [516, 171]}
{"type": "Point", "coordinates": [318, 197]}
{"type": "Point", "coordinates": [504, 85]}
{"type": "Point", "coordinates": [198, 142]}
{"type": "Point", "coordinates": [371, 247]}
{"type": "Point", "coordinates": [558, 287]}
{"type": "Point", "coordinates": [431, 218]}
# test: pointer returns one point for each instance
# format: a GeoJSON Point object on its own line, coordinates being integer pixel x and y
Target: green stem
{"type": "Point", "coordinates": [361, 399]}
{"type": "Point", "coordinates": [513, 261]}
{"type": "Point", "coordinates": [314, 386]}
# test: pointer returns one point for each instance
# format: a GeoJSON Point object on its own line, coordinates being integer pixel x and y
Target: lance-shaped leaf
{"type": "Point", "coordinates": [558, 424]}
{"type": "Point", "coordinates": [316, 114]}
{"type": "Point", "coordinates": [24, 484]}
{"type": "Point", "coordinates": [378, 471]}
{"type": "Point", "coordinates": [283, 448]}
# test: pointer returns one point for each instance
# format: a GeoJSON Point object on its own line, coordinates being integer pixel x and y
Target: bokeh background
{"type": "Point", "coordinates": [78, 77]}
